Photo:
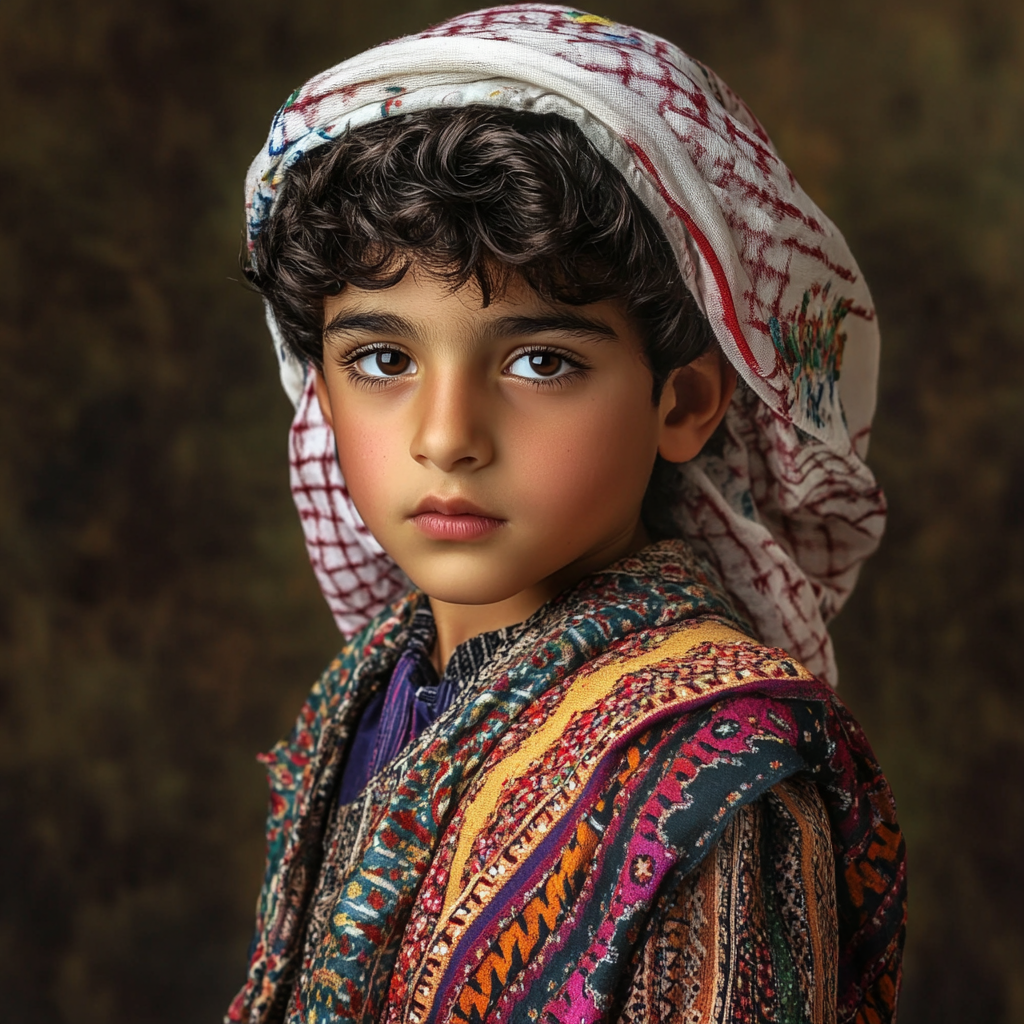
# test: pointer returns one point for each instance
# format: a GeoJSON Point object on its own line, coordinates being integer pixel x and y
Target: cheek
{"type": "Point", "coordinates": [592, 464]}
{"type": "Point", "coordinates": [367, 456]}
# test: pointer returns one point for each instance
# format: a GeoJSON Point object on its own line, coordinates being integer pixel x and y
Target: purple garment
{"type": "Point", "coordinates": [413, 698]}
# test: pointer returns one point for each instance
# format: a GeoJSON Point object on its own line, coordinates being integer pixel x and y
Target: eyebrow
{"type": "Point", "coordinates": [504, 327]}
{"type": "Point", "coordinates": [369, 323]}
{"type": "Point", "coordinates": [562, 323]}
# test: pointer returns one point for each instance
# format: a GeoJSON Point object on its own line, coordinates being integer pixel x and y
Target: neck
{"type": "Point", "coordinates": [457, 623]}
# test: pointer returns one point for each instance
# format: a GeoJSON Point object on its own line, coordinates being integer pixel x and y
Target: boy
{"type": "Point", "coordinates": [543, 293]}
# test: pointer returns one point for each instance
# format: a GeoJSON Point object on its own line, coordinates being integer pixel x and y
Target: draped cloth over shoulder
{"type": "Point", "coordinates": [785, 508]}
{"type": "Point", "coordinates": [631, 813]}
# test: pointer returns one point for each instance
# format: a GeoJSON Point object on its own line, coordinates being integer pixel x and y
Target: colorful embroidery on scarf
{"type": "Point", "coordinates": [393, 102]}
{"type": "Point", "coordinates": [589, 19]}
{"type": "Point", "coordinates": [811, 342]}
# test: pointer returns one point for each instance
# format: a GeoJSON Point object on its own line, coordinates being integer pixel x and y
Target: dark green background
{"type": "Point", "coordinates": [159, 623]}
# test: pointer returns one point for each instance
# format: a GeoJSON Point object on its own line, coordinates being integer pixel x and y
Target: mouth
{"type": "Point", "coordinates": [453, 519]}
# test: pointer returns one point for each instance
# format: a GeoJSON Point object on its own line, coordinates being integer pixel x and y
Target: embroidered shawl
{"type": "Point", "coordinates": [542, 851]}
{"type": "Point", "coordinates": [786, 510]}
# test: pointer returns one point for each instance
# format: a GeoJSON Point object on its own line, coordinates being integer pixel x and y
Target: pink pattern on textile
{"type": "Point", "coordinates": [786, 510]}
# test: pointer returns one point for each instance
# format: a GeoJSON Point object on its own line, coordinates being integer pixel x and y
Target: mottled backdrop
{"type": "Point", "coordinates": [159, 623]}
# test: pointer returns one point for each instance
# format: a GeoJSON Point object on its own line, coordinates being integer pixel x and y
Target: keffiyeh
{"type": "Point", "coordinates": [784, 508]}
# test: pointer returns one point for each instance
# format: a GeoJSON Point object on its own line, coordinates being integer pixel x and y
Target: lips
{"type": "Point", "coordinates": [453, 519]}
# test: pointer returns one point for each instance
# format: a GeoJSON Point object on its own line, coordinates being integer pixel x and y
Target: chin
{"type": "Point", "coordinates": [473, 585]}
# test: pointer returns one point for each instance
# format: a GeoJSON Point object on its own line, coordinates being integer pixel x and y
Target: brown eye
{"type": "Point", "coordinates": [540, 365]}
{"type": "Point", "coordinates": [545, 363]}
{"type": "Point", "coordinates": [386, 362]}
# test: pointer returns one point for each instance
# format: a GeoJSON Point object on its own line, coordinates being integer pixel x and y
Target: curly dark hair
{"type": "Point", "coordinates": [472, 193]}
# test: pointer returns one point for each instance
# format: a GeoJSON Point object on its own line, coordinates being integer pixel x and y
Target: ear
{"type": "Point", "coordinates": [693, 402]}
{"type": "Point", "coordinates": [323, 396]}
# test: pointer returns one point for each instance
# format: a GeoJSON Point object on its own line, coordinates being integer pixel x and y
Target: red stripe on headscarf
{"type": "Point", "coordinates": [732, 321]}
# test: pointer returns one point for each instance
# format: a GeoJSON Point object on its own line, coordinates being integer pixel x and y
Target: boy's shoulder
{"type": "Point", "coordinates": [359, 668]}
{"type": "Point", "coordinates": [647, 679]}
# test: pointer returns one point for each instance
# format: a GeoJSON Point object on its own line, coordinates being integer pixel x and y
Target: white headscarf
{"type": "Point", "coordinates": [787, 511]}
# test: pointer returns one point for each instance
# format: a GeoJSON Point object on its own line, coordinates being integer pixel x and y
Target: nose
{"type": "Point", "coordinates": [453, 431]}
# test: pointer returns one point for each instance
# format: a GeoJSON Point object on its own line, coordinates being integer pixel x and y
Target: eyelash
{"type": "Point", "coordinates": [578, 369]}
{"type": "Point", "coordinates": [348, 363]}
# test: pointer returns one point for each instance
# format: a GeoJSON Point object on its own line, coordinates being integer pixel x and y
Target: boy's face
{"type": "Point", "coordinates": [497, 454]}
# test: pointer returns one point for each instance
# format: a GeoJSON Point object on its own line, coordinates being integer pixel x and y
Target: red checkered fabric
{"type": "Point", "coordinates": [356, 576]}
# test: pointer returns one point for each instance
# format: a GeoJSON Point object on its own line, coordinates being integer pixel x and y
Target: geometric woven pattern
{"type": "Point", "coordinates": [511, 862]}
